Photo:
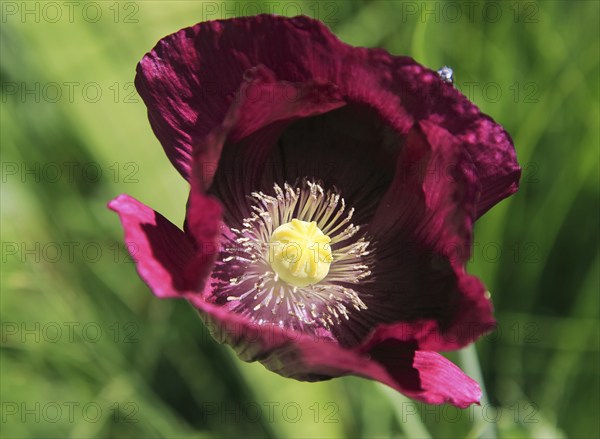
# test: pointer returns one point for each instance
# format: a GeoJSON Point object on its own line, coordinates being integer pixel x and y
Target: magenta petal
{"type": "Point", "coordinates": [442, 381]}
{"type": "Point", "coordinates": [236, 153]}
{"type": "Point", "coordinates": [423, 229]}
{"type": "Point", "coordinates": [188, 80]}
{"type": "Point", "coordinates": [432, 198]}
{"type": "Point", "coordinates": [250, 341]}
{"type": "Point", "coordinates": [161, 251]}
{"type": "Point", "coordinates": [423, 375]}
{"type": "Point", "coordinates": [471, 317]}
{"type": "Point", "coordinates": [382, 78]}
{"type": "Point", "coordinates": [474, 316]}
{"type": "Point", "coordinates": [203, 221]}
{"type": "Point", "coordinates": [493, 154]}
{"type": "Point", "coordinates": [265, 99]}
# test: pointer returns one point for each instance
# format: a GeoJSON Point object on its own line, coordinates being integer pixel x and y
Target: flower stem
{"type": "Point", "coordinates": [406, 413]}
{"type": "Point", "coordinates": [470, 363]}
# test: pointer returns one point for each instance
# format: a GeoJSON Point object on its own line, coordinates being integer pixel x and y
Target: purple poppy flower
{"type": "Point", "coordinates": [333, 194]}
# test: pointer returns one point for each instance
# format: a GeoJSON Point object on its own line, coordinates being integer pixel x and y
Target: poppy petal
{"type": "Point", "coordinates": [422, 234]}
{"type": "Point", "coordinates": [423, 375]}
{"type": "Point", "coordinates": [160, 250]}
{"type": "Point", "coordinates": [188, 81]}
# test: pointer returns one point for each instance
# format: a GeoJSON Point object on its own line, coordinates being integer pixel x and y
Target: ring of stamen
{"type": "Point", "coordinates": [305, 291]}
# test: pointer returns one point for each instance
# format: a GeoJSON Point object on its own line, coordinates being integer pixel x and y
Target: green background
{"type": "Point", "coordinates": [87, 351]}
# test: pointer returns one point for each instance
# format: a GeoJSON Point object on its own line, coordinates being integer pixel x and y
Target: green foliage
{"type": "Point", "coordinates": [81, 332]}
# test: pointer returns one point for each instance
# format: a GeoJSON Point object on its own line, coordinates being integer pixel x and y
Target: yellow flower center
{"type": "Point", "coordinates": [300, 253]}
